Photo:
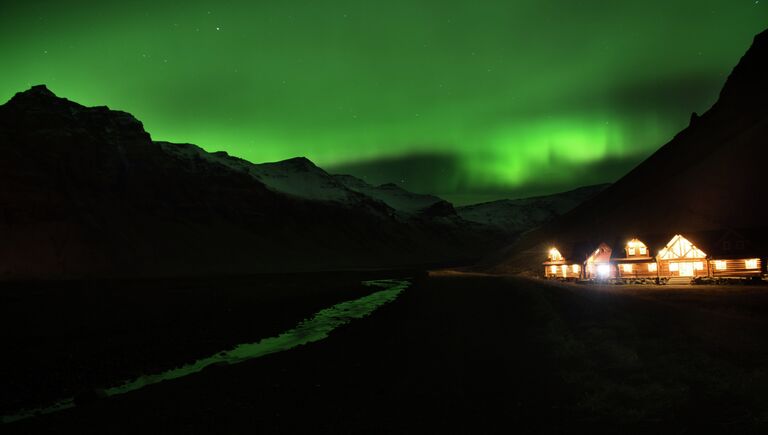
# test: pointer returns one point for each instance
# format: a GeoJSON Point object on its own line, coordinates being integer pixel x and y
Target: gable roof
{"type": "Point", "coordinates": [680, 247]}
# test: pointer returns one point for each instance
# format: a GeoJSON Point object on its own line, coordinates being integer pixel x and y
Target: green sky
{"type": "Point", "coordinates": [469, 100]}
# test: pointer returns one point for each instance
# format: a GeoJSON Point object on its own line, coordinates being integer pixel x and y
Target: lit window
{"type": "Point", "coordinates": [751, 263]}
{"type": "Point", "coordinates": [553, 269]}
{"type": "Point", "coordinates": [698, 265]}
{"type": "Point", "coordinates": [720, 265]}
{"type": "Point", "coordinates": [554, 255]}
{"type": "Point", "coordinates": [651, 267]}
{"type": "Point", "coordinates": [673, 267]}
{"type": "Point", "coordinates": [627, 268]}
{"type": "Point", "coordinates": [564, 269]}
{"type": "Point", "coordinates": [642, 250]}
{"type": "Point", "coordinates": [631, 250]}
{"type": "Point", "coordinates": [603, 270]}
{"type": "Point", "coordinates": [575, 268]}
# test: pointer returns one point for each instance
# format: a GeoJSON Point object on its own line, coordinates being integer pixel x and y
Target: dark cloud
{"type": "Point", "coordinates": [694, 92]}
{"type": "Point", "coordinates": [423, 173]}
{"type": "Point", "coordinates": [442, 174]}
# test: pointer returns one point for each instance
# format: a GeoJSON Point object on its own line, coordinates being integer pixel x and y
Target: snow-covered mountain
{"type": "Point", "coordinates": [519, 215]}
{"type": "Point", "coordinates": [392, 195]}
{"type": "Point", "coordinates": [88, 193]}
{"type": "Point", "coordinates": [301, 178]}
{"type": "Point", "coordinates": [297, 177]}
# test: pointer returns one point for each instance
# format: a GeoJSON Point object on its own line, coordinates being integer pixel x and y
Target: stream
{"type": "Point", "coordinates": [310, 330]}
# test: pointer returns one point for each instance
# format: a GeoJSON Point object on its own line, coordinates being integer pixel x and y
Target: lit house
{"type": "Point", "coordinates": [733, 255]}
{"type": "Point", "coordinates": [637, 261]}
{"type": "Point", "coordinates": [557, 267]}
{"type": "Point", "coordinates": [598, 264]}
{"type": "Point", "coordinates": [680, 257]}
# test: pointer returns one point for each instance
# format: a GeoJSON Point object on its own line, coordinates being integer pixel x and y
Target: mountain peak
{"type": "Point", "coordinates": [301, 163]}
{"type": "Point", "coordinates": [41, 90]}
{"type": "Point", "coordinates": [747, 85]}
{"type": "Point", "coordinates": [37, 94]}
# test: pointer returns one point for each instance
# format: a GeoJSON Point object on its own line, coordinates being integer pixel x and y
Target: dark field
{"type": "Point", "coordinates": [455, 353]}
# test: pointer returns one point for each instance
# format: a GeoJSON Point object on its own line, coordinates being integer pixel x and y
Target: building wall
{"type": "Point", "coordinates": [666, 268]}
{"type": "Point", "coordinates": [639, 270]}
{"type": "Point", "coordinates": [735, 268]}
{"type": "Point", "coordinates": [562, 271]}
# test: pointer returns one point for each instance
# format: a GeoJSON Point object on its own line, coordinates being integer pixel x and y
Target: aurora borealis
{"type": "Point", "coordinates": [468, 100]}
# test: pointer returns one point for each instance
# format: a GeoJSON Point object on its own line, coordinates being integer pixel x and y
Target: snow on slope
{"type": "Point", "coordinates": [391, 194]}
{"type": "Point", "coordinates": [517, 215]}
{"type": "Point", "coordinates": [297, 176]}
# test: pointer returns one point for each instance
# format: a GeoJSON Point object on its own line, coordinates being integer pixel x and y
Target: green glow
{"type": "Point", "coordinates": [524, 95]}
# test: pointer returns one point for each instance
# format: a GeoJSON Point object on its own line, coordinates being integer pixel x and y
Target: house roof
{"type": "Point", "coordinates": [716, 244]}
{"type": "Point", "coordinates": [731, 243]}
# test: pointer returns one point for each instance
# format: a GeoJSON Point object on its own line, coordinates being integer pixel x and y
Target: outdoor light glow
{"type": "Point", "coordinates": [603, 270]}
{"type": "Point", "coordinates": [554, 255]}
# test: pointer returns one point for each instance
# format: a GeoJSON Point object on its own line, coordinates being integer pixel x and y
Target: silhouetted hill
{"type": "Point", "coordinates": [87, 193]}
{"type": "Point", "coordinates": [710, 176]}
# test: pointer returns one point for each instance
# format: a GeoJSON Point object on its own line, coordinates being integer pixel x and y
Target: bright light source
{"type": "Point", "coordinates": [651, 267]}
{"type": "Point", "coordinates": [627, 268]}
{"type": "Point", "coordinates": [554, 255]}
{"type": "Point", "coordinates": [720, 265]}
{"type": "Point", "coordinates": [699, 265]}
{"type": "Point", "coordinates": [751, 263]}
{"type": "Point", "coordinates": [603, 270]}
{"type": "Point", "coordinates": [575, 268]}
{"type": "Point", "coordinates": [673, 267]}
{"type": "Point", "coordinates": [553, 269]}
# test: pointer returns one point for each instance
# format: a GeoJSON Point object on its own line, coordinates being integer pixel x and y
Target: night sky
{"type": "Point", "coordinates": [469, 100]}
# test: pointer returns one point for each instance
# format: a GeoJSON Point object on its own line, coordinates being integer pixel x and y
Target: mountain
{"type": "Point", "coordinates": [710, 176]}
{"type": "Point", "coordinates": [519, 215]}
{"type": "Point", "coordinates": [87, 193]}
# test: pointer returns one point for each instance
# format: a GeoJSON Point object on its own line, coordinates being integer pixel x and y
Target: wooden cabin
{"type": "Point", "coordinates": [636, 261]}
{"type": "Point", "coordinates": [680, 257]}
{"type": "Point", "coordinates": [732, 255]}
{"type": "Point", "coordinates": [598, 264]}
{"type": "Point", "coordinates": [557, 267]}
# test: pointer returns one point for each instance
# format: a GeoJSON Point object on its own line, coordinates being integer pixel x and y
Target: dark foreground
{"type": "Point", "coordinates": [461, 354]}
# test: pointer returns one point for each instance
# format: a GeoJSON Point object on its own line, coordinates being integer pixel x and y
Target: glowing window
{"type": "Point", "coordinates": [554, 255]}
{"type": "Point", "coordinates": [651, 267]}
{"type": "Point", "coordinates": [643, 250]}
{"type": "Point", "coordinates": [631, 250]}
{"type": "Point", "coordinates": [751, 263]}
{"type": "Point", "coordinates": [698, 265]}
{"type": "Point", "coordinates": [553, 269]}
{"type": "Point", "coordinates": [720, 265]}
{"type": "Point", "coordinates": [575, 268]}
{"type": "Point", "coordinates": [627, 268]}
{"type": "Point", "coordinates": [673, 267]}
{"type": "Point", "coordinates": [564, 269]}
{"type": "Point", "coordinates": [603, 270]}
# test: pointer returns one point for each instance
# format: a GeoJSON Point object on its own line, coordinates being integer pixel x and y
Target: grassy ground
{"type": "Point", "coordinates": [468, 354]}
{"type": "Point", "coordinates": [62, 339]}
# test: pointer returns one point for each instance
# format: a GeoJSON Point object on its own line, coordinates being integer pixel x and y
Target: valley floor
{"type": "Point", "coordinates": [468, 353]}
